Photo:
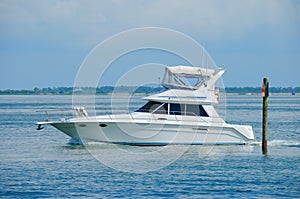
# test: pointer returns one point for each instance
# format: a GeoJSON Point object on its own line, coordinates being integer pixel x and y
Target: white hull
{"type": "Point", "coordinates": [154, 132]}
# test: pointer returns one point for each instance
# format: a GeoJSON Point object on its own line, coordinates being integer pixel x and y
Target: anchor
{"type": "Point", "coordinates": [39, 127]}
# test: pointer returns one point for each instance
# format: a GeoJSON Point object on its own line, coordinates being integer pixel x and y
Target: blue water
{"type": "Point", "coordinates": [45, 164]}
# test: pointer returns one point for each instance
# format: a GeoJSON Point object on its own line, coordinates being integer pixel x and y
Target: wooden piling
{"type": "Point", "coordinates": [265, 94]}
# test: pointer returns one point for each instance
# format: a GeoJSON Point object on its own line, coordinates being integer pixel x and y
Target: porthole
{"type": "Point", "coordinates": [103, 125]}
{"type": "Point", "coordinates": [82, 125]}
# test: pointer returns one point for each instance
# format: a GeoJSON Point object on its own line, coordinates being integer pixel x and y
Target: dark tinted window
{"type": "Point", "coordinates": [151, 106]}
{"type": "Point", "coordinates": [175, 109]}
{"type": "Point", "coordinates": [162, 110]}
{"type": "Point", "coordinates": [195, 110]}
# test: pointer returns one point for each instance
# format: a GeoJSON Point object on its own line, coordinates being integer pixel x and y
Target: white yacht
{"type": "Point", "coordinates": [184, 113]}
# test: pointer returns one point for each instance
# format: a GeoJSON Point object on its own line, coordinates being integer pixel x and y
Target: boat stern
{"type": "Point", "coordinates": [246, 131]}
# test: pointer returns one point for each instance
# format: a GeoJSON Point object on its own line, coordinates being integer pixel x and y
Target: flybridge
{"type": "Point", "coordinates": [190, 77]}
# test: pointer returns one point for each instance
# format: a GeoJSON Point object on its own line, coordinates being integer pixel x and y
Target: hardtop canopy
{"type": "Point", "coordinates": [190, 71]}
{"type": "Point", "coordinates": [187, 77]}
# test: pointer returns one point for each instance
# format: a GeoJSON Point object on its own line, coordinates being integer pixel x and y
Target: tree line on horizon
{"type": "Point", "coordinates": [132, 89]}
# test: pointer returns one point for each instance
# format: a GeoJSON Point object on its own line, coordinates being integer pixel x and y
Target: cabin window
{"type": "Point", "coordinates": [195, 110]}
{"type": "Point", "coordinates": [154, 107]}
{"type": "Point", "coordinates": [175, 109]}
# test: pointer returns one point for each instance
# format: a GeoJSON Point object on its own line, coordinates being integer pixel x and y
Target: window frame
{"type": "Point", "coordinates": [174, 109]}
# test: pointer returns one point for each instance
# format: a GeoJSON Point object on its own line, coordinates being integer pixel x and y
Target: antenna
{"type": "Point", "coordinates": [202, 57]}
{"type": "Point", "coordinates": [203, 60]}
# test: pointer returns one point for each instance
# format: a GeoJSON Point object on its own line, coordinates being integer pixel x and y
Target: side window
{"type": "Point", "coordinates": [149, 107]}
{"type": "Point", "coordinates": [162, 110]}
{"type": "Point", "coordinates": [195, 110]}
{"type": "Point", "coordinates": [175, 109]}
{"type": "Point", "coordinates": [202, 111]}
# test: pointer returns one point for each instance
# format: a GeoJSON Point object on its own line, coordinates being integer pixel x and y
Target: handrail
{"type": "Point", "coordinates": [48, 111]}
{"type": "Point", "coordinates": [107, 113]}
{"type": "Point", "coordinates": [150, 116]}
{"type": "Point", "coordinates": [131, 115]}
{"type": "Point", "coordinates": [190, 114]}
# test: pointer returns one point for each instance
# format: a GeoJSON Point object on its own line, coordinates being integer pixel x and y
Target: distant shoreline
{"type": "Point", "coordinates": [144, 89]}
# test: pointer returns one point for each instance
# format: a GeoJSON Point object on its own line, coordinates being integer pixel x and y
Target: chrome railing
{"type": "Point", "coordinates": [58, 114]}
{"type": "Point", "coordinates": [158, 115]}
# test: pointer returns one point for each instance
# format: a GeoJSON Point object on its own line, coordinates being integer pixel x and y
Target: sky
{"type": "Point", "coordinates": [44, 43]}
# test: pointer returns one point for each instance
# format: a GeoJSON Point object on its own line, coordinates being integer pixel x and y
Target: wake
{"type": "Point", "coordinates": [293, 143]}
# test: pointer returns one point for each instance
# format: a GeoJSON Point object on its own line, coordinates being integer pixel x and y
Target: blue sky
{"type": "Point", "coordinates": [43, 43]}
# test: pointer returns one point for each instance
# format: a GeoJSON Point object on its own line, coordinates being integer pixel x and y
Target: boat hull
{"type": "Point", "coordinates": [149, 134]}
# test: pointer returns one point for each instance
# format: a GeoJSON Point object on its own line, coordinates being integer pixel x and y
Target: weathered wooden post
{"type": "Point", "coordinates": [265, 94]}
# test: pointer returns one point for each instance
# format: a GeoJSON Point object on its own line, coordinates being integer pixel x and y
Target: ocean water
{"type": "Point", "coordinates": [47, 164]}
